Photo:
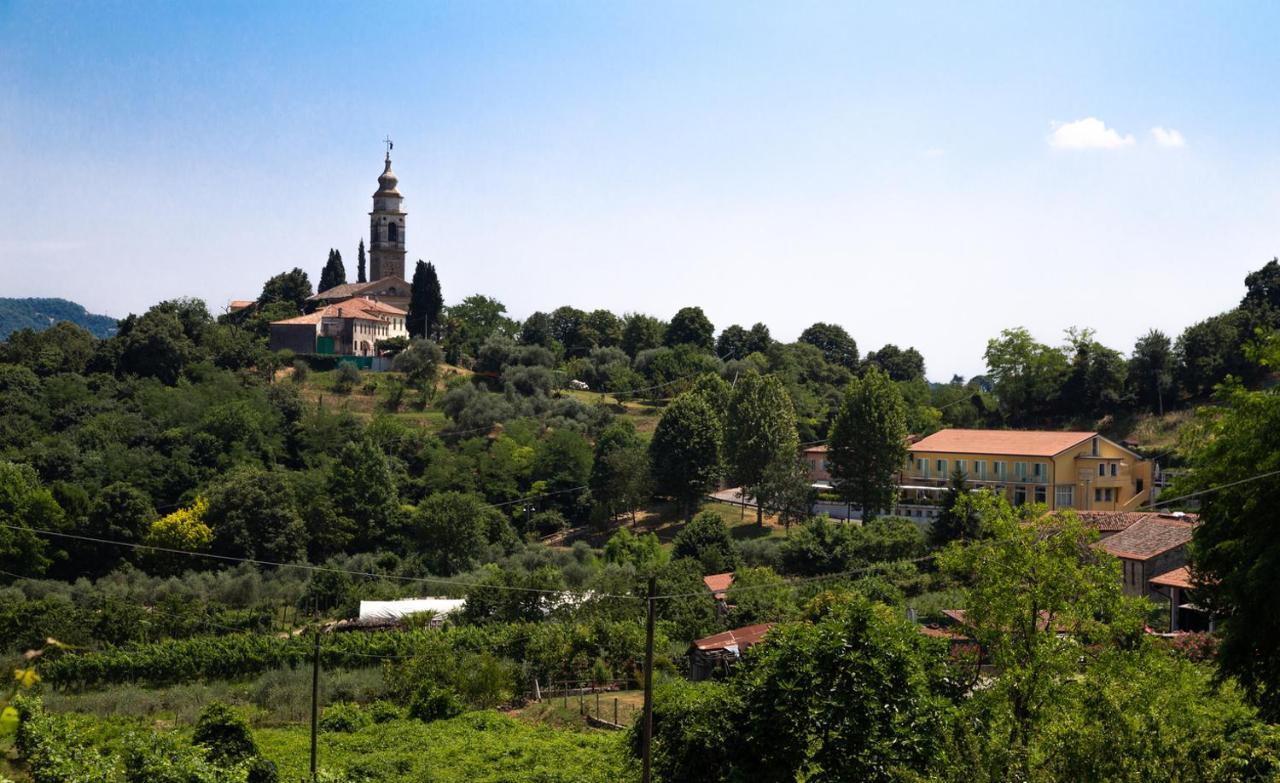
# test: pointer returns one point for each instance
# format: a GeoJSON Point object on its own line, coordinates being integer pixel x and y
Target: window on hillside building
{"type": "Point", "coordinates": [1115, 469]}
{"type": "Point", "coordinates": [1019, 496]}
{"type": "Point", "coordinates": [392, 232]}
{"type": "Point", "coordinates": [941, 466]}
{"type": "Point", "coordinates": [1102, 469]}
{"type": "Point", "coordinates": [1020, 470]}
{"type": "Point", "coordinates": [1064, 496]}
{"type": "Point", "coordinates": [962, 466]}
{"type": "Point", "coordinates": [1042, 494]}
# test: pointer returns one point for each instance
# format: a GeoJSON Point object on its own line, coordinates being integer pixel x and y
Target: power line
{"type": "Point", "coordinates": [1157, 504]}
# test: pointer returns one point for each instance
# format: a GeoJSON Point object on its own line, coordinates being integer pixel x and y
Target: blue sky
{"type": "Point", "coordinates": [924, 174]}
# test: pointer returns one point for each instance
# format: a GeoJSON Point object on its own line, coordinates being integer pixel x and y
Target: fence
{"type": "Point", "coordinates": [606, 706]}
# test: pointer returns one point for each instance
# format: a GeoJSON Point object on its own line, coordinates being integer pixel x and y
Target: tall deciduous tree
{"type": "Point", "coordinates": [293, 287]}
{"type": "Point", "coordinates": [1151, 370]}
{"type": "Point", "coordinates": [619, 471]}
{"type": "Point", "coordinates": [690, 326]}
{"type": "Point", "coordinates": [1096, 383]}
{"type": "Point", "coordinates": [868, 443]}
{"type": "Point", "coordinates": [835, 343]}
{"type": "Point", "coordinates": [453, 528]}
{"type": "Point", "coordinates": [361, 263]}
{"type": "Point", "coordinates": [685, 451]}
{"type": "Point", "coordinates": [641, 332]}
{"type": "Point", "coordinates": [252, 514]}
{"type": "Point", "coordinates": [900, 364]}
{"type": "Point", "coordinates": [1027, 376]}
{"type": "Point", "coordinates": [760, 434]}
{"type": "Point", "coordinates": [364, 493]}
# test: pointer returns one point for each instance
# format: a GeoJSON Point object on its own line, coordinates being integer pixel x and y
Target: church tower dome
{"type": "Point", "coordinates": [386, 226]}
{"type": "Point", "coordinates": [388, 181]}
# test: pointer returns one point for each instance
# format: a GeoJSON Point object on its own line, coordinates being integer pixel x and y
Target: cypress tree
{"type": "Point", "coordinates": [434, 301]}
{"type": "Point", "coordinates": [418, 316]}
{"type": "Point", "coordinates": [334, 273]}
{"type": "Point", "coordinates": [360, 264]}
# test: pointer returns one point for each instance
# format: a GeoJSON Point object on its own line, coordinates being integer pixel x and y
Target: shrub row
{"type": "Point", "coordinates": [545, 650]}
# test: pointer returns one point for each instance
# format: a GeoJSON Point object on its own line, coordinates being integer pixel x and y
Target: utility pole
{"type": "Point", "coordinates": [648, 685]}
{"type": "Point", "coordinates": [315, 700]}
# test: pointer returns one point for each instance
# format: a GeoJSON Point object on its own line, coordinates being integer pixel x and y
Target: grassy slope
{"type": "Point", "coordinates": [480, 747]}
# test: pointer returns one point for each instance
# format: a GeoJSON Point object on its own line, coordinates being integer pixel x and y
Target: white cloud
{"type": "Point", "coordinates": [934, 152]}
{"type": "Point", "coordinates": [1168, 137]}
{"type": "Point", "coordinates": [1090, 133]}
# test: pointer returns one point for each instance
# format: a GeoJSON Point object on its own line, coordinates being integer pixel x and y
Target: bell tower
{"type": "Point", "coordinates": [386, 226]}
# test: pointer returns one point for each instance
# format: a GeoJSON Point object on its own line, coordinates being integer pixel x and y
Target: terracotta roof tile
{"type": "Point", "coordinates": [1115, 521]}
{"type": "Point", "coordinates": [1018, 443]}
{"type": "Point", "coordinates": [1148, 537]}
{"type": "Point", "coordinates": [718, 584]}
{"type": "Point", "coordinates": [740, 637]}
{"type": "Point", "coordinates": [1178, 577]}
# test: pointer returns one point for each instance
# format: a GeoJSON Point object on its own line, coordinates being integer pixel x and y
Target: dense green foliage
{"type": "Point", "coordinates": [869, 443]}
{"type": "Point", "coordinates": [1236, 553]}
{"type": "Point", "coordinates": [547, 650]}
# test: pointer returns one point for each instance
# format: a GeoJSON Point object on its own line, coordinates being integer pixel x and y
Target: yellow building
{"type": "Point", "coordinates": [1081, 470]}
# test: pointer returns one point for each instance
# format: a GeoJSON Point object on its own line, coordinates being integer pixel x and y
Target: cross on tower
{"type": "Point", "coordinates": [387, 141]}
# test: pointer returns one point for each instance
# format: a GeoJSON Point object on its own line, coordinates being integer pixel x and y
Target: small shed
{"type": "Point", "coordinates": [719, 584]}
{"type": "Point", "coordinates": [720, 651]}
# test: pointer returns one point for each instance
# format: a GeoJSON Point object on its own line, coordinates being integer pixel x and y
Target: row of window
{"type": "Point", "coordinates": [1037, 472]}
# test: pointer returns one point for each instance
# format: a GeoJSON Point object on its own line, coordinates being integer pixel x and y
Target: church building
{"type": "Point", "coordinates": [350, 318]}
{"type": "Point", "coordinates": [386, 250]}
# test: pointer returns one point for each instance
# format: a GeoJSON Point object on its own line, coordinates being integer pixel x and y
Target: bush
{"type": "Point", "coordinates": [344, 717]}
{"type": "Point", "coordinates": [383, 711]}
{"type": "Point", "coordinates": [224, 735]}
{"type": "Point", "coordinates": [432, 702]}
{"type": "Point", "coordinates": [545, 522]}
{"type": "Point", "coordinates": [262, 770]}
{"type": "Point", "coordinates": [347, 378]}
{"type": "Point", "coordinates": [300, 370]}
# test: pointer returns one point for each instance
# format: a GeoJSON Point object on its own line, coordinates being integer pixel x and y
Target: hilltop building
{"type": "Point", "coordinates": [349, 328]}
{"type": "Point", "coordinates": [351, 318]}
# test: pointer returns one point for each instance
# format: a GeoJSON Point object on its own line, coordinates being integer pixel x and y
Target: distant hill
{"type": "Point", "coordinates": [40, 314]}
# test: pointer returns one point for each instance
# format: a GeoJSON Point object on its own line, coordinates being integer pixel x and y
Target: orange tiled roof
{"type": "Point", "coordinates": [309, 318]}
{"type": "Point", "coordinates": [1178, 577]}
{"type": "Point", "coordinates": [1016, 443]}
{"type": "Point", "coordinates": [742, 637]}
{"type": "Point", "coordinates": [718, 584]}
{"type": "Point", "coordinates": [359, 308]}
{"type": "Point", "coordinates": [1148, 537]}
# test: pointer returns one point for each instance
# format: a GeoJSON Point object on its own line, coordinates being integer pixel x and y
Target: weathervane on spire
{"type": "Point", "coordinates": [387, 141]}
